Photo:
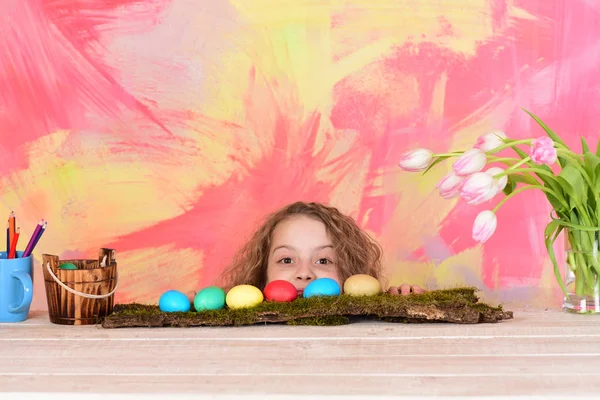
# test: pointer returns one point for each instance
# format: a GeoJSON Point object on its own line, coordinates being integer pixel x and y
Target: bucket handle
{"type": "Point", "coordinates": [75, 292]}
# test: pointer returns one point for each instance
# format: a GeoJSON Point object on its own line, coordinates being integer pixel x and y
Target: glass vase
{"type": "Point", "coordinates": [582, 264]}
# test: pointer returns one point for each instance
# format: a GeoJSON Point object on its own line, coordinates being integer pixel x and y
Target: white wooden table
{"type": "Point", "coordinates": [543, 353]}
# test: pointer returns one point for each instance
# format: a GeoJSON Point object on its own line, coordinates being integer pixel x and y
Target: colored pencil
{"type": "Point", "coordinates": [13, 246]}
{"type": "Point", "coordinates": [11, 226]}
{"type": "Point", "coordinates": [36, 232]}
{"type": "Point", "coordinates": [7, 239]}
{"type": "Point", "coordinates": [39, 236]}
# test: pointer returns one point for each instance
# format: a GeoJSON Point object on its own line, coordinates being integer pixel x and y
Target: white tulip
{"type": "Point", "coordinates": [416, 160]}
{"type": "Point", "coordinates": [484, 226]}
{"type": "Point", "coordinates": [500, 182]}
{"type": "Point", "coordinates": [478, 188]}
{"type": "Point", "coordinates": [490, 141]}
{"type": "Point", "coordinates": [471, 161]}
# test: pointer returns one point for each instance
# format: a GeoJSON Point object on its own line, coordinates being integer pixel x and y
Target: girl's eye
{"type": "Point", "coordinates": [286, 260]}
{"type": "Point", "coordinates": [324, 261]}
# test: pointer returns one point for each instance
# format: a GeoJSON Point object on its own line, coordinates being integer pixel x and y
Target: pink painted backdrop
{"type": "Point", "coordinates": [166, 128]}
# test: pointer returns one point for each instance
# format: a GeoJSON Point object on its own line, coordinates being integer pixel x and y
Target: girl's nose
{"type": "Point", "coordinates": [305, 273]}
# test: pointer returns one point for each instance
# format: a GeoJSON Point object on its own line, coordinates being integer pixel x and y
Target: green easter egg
{"type": "Point", "coordinates": [210, 298]}
{"type": "Point", "coordinates": [67, 266]}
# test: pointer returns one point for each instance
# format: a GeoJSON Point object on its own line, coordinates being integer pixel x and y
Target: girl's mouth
{"type": "Point", "coordinates": [300, 292]}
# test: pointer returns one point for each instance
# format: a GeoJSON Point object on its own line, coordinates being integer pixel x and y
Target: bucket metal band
{"type": "Point", "coordinates": [86, 295]}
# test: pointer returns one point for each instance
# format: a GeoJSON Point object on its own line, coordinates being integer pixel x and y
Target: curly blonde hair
{"type": "Point", "coordinates": [357, 252]}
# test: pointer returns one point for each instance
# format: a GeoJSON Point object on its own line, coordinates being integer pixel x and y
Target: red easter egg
{"type": "Point", "coordinates": [281, 291]}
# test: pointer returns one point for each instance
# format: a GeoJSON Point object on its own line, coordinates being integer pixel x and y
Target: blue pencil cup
{"type": "Point", "coordinates": [16, 287]}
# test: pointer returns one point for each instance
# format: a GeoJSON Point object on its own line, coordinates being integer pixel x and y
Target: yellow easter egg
{"type": "Point", "coordinates": [243, 296]}
{"type": "Point", "coordinates": [362, 285]}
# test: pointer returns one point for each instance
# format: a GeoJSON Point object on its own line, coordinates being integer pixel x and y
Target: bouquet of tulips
{"type": "Point", "coordinates": [572, 187]}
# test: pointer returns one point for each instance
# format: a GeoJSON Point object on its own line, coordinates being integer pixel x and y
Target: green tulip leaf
{"type": "Point", "coordinates": [510, 185]}
{"type": "Point", "coordinates": [551, 233]}
{"type": "Point", "coordinates": [584, 146]}
{"type": "Point", "coordinates": [573, 184]}
{"type": "Point", "coordinates": [433, 164]}
{"type": "Point", "coordinates": [551, 134]}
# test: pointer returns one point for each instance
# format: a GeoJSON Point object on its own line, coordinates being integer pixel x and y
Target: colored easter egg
{"type": "Point", "coordinates": [243, 296]}
{"type": "Point", "coordinates": [209, 298]}
{"type": "Point", "coordinates": [362, 285]}
{"type": "Point", "coordinates": [174, 301]}
{"type": "Point", "coordinates": [67, 266]}
{"type": "Point", "coordinates": [322, 287]}
{"type": "Point", "coordinates": [281, 291]}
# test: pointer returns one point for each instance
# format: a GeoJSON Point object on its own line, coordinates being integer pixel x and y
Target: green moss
{"type": "Point", "coordinates": [485, 307]}
{"type": "Point", "coordinates": [458, 305]}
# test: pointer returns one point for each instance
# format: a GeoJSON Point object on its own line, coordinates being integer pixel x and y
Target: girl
{"type": "Point", "coordinates": [306, 241]}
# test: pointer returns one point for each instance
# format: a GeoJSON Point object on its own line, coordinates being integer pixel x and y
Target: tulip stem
{"type": "Point", "coordinates": [517, 165]}
{"type": "Point", "coordinates": [503, 159]}
{"type": "Point", "coordinates": [519, 190]}
{"type": "Point", "coordinates": [511, 171]}
{"type": "Point", "coordinates": [509, 144]}
{"type": "Point", "coordinates": [455, 154]}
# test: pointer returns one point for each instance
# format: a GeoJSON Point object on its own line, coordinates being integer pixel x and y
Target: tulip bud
{"type": "Point", "coordinates": [416, 160]}
{"type": "Point", "coordinates": [484, 226]}
{"type": "Point", "coordinates": [471, 161]}
{"type": "Point", "coordinates": [478, 188]}
{"type": "Point", "coordinates": [449, 185]}
{"type": "Point", "coordinates": [490, 141]}
{"type": "Point", "coordinates": [500, 182]}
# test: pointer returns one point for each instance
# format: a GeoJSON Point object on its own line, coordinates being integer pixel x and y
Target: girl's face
{"type": "Point", "coordinates": [301, 251]}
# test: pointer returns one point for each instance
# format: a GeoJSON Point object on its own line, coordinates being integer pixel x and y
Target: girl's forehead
{"type": "Point", "coordinates": [301, 229]}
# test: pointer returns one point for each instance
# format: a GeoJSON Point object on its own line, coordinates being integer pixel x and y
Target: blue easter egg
{"type": "Point", "coordinates": [174, 301]}
{"type": "Point", "coordinates": [322, 287]}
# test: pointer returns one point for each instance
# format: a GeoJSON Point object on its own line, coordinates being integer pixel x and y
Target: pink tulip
{"type": "Point", "coordinates": [471, 161]}
{"type": "Point", "coordinates": [490, 141]}
{"type": "Point", "coordinates": [484, 226]}
{"type": "Point", "coordinates": [500, 182]}
{"type": "Point", "coordinates": [449, 185]}
{"type": "Point", "coordinates": [542, 151]}
{"type": "Point", "coordinates": [416, 160]}
{"type": "Point", "coordinates": [478, 188]}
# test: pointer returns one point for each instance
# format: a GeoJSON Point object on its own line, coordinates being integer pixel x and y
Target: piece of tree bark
{"type": "Point", "coordinates": [458, 306]}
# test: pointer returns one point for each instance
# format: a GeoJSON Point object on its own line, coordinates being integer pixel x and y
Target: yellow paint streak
{"type": "Point", "coordinates": [521, 13]}
{"type": "Point", "coordinates": [358, 60]}
{"type": "Point", "coordinates": [485, 119]}
{"type": "Point", "coordinates": [282, 12]}
{"type": "Point", "coordinates": [436, 109]}
{"type": "Point", "coordinates": [292, 43]}
{"type": "Point", "coordinates": [95, 196]}
{"type": "Point", "coordinates": [224, 101]}
{"type": "Point", "coordinates": [420, 209]}
{"type": "Point", "coordinates": [295, 41]}
{"type": "Point", "coordinates": [420, 214]}
{"type": "Point", "coordinates": [456, 25]}
{"type": "Point", "coordinates": [448, 273]}
{"type": "Point", "coordinates": [349, 191]}
{"type": "Point", "coordinates": [147, 273]}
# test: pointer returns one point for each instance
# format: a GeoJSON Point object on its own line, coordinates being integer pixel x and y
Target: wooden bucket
{"type": "Point", "coordinates": [83, 296]}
